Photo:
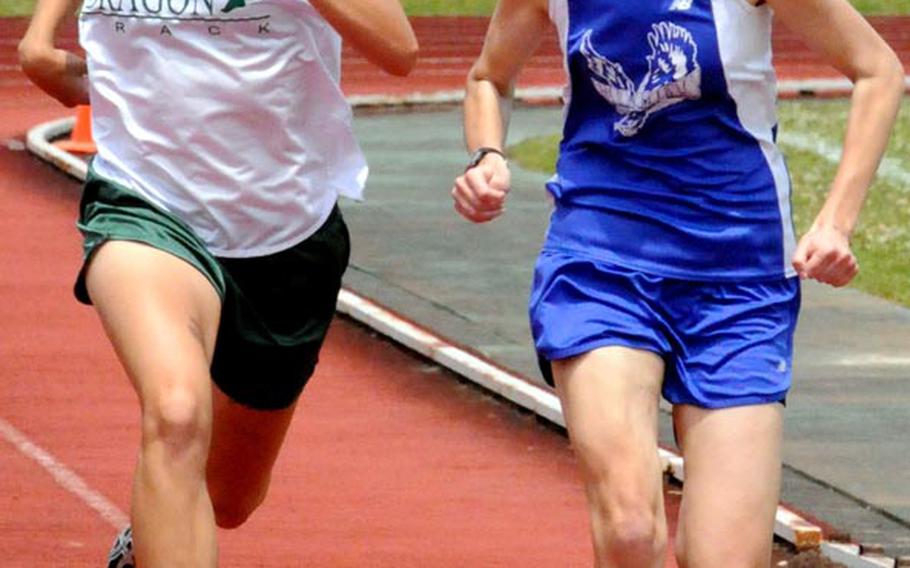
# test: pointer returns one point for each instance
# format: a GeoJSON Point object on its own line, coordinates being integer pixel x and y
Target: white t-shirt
{"type": "Point", "coordinates": [225, 113]}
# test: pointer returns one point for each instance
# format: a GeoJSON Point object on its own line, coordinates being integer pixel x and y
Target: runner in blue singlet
{"type": "Point", "coordinates": [671, 264]}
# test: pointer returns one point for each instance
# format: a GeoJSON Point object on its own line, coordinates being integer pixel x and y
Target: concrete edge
{"type": "Point", "coordinates": [851, 556]}
{"type": "Point", "coordinates": [38, 143]}
{"type": "Point", "coordinates": [786, 88]}
{"type": "Point", "coordinates": [788, 525]}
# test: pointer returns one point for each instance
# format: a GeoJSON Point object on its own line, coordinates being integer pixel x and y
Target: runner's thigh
{"type": "Point", "coordinates": [610, 402]}
{"type": "Point", "coordinates": [159, 311]}
{"type": "Point", "coordinates": [732, 484]}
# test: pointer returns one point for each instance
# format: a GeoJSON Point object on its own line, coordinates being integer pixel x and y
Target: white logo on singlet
{"type": "Point", "coordinates": [673, 76]}
{"type": "Point", "coordinates": [680, 5]}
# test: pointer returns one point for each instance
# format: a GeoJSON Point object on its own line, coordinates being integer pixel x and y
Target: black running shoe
{"type": "Point", "coordinates": [121, 555]}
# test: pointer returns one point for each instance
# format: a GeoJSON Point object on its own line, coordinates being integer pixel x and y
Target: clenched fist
{"type": "Point", "coordinates": [824, 254]}
{"type": "Point", "coordinates": [480, 193]}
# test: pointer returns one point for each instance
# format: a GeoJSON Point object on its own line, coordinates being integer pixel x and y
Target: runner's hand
{"type": "Point", "coordinates": [824, 254]}
{"type": "Point", "coordinates": [480, 193]}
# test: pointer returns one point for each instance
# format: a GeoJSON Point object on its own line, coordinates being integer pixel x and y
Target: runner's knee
{"type": "Point", "coordinates": [179, 419]}
{"type": "Point", "coordinates": [628, 519]}
{"type": "Point", "coordinates": [633, 525]}
{"type": "Point", "coordinates": [634, 533]}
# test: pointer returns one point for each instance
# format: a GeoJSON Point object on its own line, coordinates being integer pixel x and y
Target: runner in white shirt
{"type": "Point", "coordinates": [213, 243]}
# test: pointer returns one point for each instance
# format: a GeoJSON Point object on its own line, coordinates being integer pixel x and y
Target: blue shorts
{"type": "Point", "coordinates": [724, 343]}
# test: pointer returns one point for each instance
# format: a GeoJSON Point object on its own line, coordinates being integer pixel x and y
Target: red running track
{"type": "Point", "coordinates": [391, 462]}
{"type": "Point", "coordinates": [450, 45]}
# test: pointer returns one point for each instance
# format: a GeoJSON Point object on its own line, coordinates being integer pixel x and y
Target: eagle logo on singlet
{"type": "Point", "coordinates": [674, 75]}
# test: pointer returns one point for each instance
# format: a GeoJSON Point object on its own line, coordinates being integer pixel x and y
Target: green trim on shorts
{"type": "Point", "coordinates": [111, 212]}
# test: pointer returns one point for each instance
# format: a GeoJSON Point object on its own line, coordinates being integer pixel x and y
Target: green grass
{"type": "Point", "coordinates": [16, 8]}
{"type": "Point", "coordinates": [449, 7]}
{"type": "Point", "coordinates": [537, 154]}
{"type": "Point", "coordinates": [877, 7]}
{"type": "Point", "coordinates": [881, 242]}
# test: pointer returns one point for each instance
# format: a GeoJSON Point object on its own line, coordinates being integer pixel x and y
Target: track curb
{"type": "Point", "coordinates": [789, 525]}
{"type": "Point", "coordinates": [787, 88]}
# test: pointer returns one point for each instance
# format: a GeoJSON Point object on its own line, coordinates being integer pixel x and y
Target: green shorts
{"type": "Point", "coordinates": [276, 309]}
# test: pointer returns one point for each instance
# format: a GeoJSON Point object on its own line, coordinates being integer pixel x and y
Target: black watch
{"type": "Point", "coordinates": [481, 153]}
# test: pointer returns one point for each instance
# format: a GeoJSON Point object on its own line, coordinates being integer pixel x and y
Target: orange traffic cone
{"type": "Point", "coordinates": [80, 141]}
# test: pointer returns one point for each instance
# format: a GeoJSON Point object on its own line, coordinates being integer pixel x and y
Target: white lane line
{"type": "Point", "coordinates": [892, 169]}
{"type": "Point", "coordinates": [873, 360]}
{"type": "Point", "coordinates": [64, 476]}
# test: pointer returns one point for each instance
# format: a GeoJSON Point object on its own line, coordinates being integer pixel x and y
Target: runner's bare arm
{"type": "Point", "coordinates": [378, 29]}
{"type": "Point", "coordinates": [838, 32]}
{"type": "Point", "coordinates": [514, 34]}
{"type": "Point", "coordinates": [58, 72]}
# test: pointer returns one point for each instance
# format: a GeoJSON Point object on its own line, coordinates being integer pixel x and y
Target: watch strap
{"type": "Point", "coordinates": [479, 154]}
